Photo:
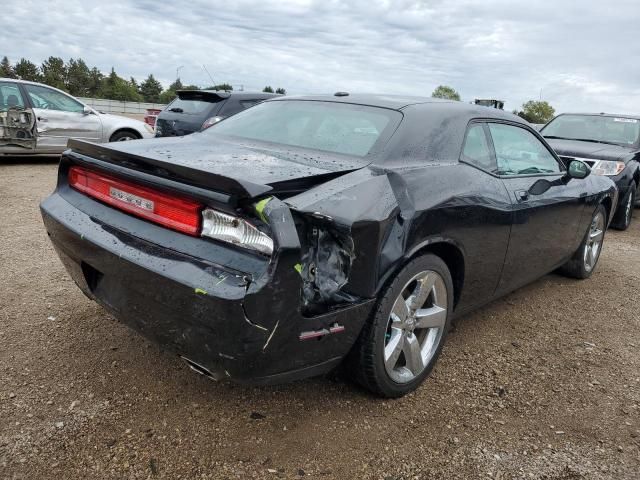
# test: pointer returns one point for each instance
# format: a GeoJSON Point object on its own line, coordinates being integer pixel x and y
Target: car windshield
{"type": "Point", "coordinates": [327, 126]}
{"type": "Point", "coordinates": [595, 128]}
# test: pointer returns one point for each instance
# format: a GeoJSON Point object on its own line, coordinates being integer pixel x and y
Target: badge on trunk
{"type": "Point", "coordinates": [131, 199]}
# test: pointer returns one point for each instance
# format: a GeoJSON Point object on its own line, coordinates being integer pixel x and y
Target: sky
{"type": "Point", "coordinates": [581, 55]}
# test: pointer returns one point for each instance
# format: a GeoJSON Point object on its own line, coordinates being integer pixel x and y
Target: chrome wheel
{"type": "Point", "coordinates": [126, 138]}
{"type": "Point", "coordinates": [415, 327]}
{"type": "Point", "coordinates": [594, 242]}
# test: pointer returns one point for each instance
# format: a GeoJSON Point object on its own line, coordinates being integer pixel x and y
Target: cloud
{"type": "Point", "coordinates": [581, 56]}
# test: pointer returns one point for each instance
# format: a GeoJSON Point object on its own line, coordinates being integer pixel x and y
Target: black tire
{"type": "Point", "coordinates": [365, 363]}
{"type": "Point", "coordinates": [623, 216]}
{"type": "Point", "coordinates": [124, 135]}
{"type": "Point", "coordinates": [637, 196]}
{"type": "Point", "coordinates": [577, 266]}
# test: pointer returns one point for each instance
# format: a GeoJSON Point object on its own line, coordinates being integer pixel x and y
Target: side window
{"type": "Point", "coordinates": [476, 149]}
{"type": "Point", "coordinates": [249, 103]}
{"type": "Point", "coordinates": [231, 107]}
{"type": "Point", "coordinates": [43, 97]}
{"type": "Point", "coordinates": [10, 96]}
{"type": "Point", "coordinates": [519, 152]}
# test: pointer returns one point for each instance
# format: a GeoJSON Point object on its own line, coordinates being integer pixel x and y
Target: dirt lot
{"type": "Point", "coordinates": [542, 384]}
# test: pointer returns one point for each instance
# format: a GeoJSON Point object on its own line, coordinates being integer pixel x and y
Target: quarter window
{"type": "Point", "coordinates": [476, 149]}
{"type": "Point", "coordinates": [46, 98]}
{"type": "Point", "coordinates": [10, 97]}
{"type": "Point", "coordinates": [519, 152]}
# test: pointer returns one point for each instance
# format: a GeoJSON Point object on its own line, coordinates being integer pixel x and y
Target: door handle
{"type": "Point", "coordinates": [522, 195]}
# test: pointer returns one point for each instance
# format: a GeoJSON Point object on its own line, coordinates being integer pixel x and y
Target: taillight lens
{"type": "Point", "coordinates": [209, 122]}
{"type": "Point", "coordinates": [237, 231]}
{"type": "Point", "coordinates": [172, 212]}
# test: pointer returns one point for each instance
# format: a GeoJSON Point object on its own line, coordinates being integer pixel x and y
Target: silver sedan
{"type": "Point", "coordinates": [38, 119]}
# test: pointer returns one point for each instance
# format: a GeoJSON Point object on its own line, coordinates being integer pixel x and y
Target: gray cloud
{"type": "Point", "coordinates": [579, 55]}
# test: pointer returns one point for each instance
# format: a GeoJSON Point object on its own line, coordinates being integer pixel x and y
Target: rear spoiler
{"type": "Point", "coordinates": [239, 189]}
{"type": "Point", "coordinates": [210, 95]}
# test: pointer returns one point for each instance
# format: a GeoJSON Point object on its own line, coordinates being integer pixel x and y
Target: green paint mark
{"type": "Point", "coordinates": [298, 267]}
{"type": "Point", "coordinates": [200, 291]}
{"type": "Point", "coordinates": [260, 208]}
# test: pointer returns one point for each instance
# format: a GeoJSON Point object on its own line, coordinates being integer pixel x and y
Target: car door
{"type": "Point", "coordinates": [545, 219]}
{"type": "Point", "coordinates": [60, 117]}
{"type": "Point", "coordinates": [17, 121]}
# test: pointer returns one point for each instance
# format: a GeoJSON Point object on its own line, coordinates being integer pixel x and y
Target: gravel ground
{"type": "Point", "coordinates": [542, 384]}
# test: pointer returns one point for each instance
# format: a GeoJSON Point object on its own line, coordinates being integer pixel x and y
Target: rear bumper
{"type": "Point", "coordinates": [246, 331]}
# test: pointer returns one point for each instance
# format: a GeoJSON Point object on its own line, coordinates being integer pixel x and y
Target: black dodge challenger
{"type": "Point", "coordinates": [610, 145]}
{"type": "Point", "coordinates": [309, 231]}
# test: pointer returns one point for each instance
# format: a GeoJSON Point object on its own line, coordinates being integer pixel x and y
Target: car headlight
{"type": "Point", "coordinates": [237, 231]}
{"type": "Point", "coordinates": [607, 167]}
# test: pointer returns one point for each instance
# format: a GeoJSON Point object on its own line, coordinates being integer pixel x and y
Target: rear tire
{"type": "Point", "coordinates": [623, 217]}
{"type": "Point", "coordinates": [401, 342]}
{"type": "Point", "coordinates": [584, 260]}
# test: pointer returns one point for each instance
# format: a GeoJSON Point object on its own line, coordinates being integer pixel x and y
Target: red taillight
{"type": "Point", "coordinates": [172, 212]}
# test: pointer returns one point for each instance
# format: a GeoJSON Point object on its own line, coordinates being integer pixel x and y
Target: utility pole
{"type": "Point", "coordinates": [178, 72]}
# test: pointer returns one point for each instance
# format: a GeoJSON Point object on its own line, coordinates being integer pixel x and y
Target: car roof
{"type": "Point", "coordinates": [399, 102]}
{"type": "Point", "coordinates": [615, 115]}
{"type": "Point", "coordinates": [17, 80]}
{"type": "Point", "coordinates": [374, 100]}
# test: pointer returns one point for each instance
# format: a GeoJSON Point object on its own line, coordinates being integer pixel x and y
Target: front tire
{"type": "Point", "coordinates": [401, 343]}
{"type": "Point", "coordinates": [584, 260]}
{"type": "Point", "coordinates": [624, 215]}
{"type": "Point", "coordinates": [123, 136]}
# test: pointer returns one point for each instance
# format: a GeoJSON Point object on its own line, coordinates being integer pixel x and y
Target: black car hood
{"type": "Point", "coordinates": [597, 151]}
{"type": "Point", "coordinates": [236, 167]}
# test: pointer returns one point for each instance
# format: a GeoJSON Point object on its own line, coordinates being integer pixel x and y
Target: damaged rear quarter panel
{"type": "Point", "coordinates": [393, 213]}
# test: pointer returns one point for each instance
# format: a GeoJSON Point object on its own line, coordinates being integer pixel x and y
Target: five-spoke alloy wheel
{"type": "Point", "coordinates": [594, 241]}
{"type": "Point", "coordinates": [400, 344]}
{"type": "Point", "coordinates": [415, 326]}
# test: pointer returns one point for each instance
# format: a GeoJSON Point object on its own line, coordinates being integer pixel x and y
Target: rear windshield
{"type": "Point", "coordinates": [191, 104]}
{"type": "Point", "coordinates": [596, 128]}
{"type": "Point", "coordinates": [327, 126]}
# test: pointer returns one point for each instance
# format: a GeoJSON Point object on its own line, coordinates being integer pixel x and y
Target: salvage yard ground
{"type": "Point", "coordinates": [542, 384]}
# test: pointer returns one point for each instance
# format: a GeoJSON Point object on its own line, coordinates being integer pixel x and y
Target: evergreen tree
{"type": "Point", "coordinates": [54, 72]}
{"type": "Point", "coordinates": [151, 89]}
{"type": "Point", "coordinates": [26, 70]}
{"type": "Point", "coordinates": [6, 70]}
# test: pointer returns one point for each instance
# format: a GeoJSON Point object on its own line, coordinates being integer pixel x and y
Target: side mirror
{"type": "Point", "coordinates": [577, 169]}
{"type": "Point", "coordinates": [87, 110]}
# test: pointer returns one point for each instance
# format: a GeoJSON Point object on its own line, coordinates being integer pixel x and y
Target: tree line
{"type": "Point", "coordinates": [76, 78]}
{"type": "Point", "coordinates": [533, 111]}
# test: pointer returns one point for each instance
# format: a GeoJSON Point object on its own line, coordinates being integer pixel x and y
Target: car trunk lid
{"type": "Point", "coordinates": [240, 171]}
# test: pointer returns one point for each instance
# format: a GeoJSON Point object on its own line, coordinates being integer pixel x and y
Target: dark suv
{"type": "Point", "coordinates": [610, 145]}
{"type": "Point", "coordinates": [194, 110]}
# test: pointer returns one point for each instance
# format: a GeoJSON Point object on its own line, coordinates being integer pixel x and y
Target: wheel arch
{"type": "Point", "coordinates": [608, 205]}
{"type": "Point", "coordinates": [125, 129]}
{"type": "Point", "coordinates": [451, 254]}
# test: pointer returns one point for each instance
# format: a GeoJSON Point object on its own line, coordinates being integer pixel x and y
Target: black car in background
{"type": "Point", "coordinates": [610, 145]}
{"type": "Point", "coordinates": [308, 231]}
{"type": "Point", "coordinates": [194, 110]}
